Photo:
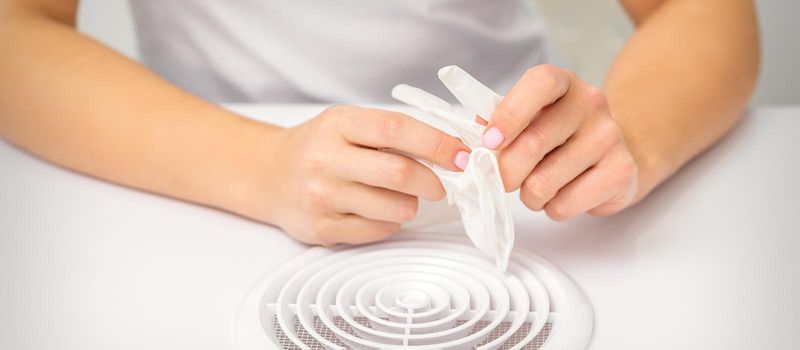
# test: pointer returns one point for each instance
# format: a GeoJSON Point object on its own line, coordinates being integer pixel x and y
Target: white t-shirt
{"type": "Point", "coordinates": [335, 51]}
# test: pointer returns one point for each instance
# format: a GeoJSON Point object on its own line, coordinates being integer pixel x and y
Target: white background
{"type": "Point", "coordinates": [588, 32]}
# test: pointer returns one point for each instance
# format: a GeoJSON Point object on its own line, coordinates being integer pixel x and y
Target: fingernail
{"type": "Point", "coordinates": [492, 138]}
{"type": "Point", "coordinates": [462, 157]}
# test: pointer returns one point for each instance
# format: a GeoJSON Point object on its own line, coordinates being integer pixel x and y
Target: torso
{"type": "Point", "coordinates": [335, 51]}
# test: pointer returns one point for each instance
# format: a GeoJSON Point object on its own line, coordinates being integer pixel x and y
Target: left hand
{"type": "Point", "coordinates": [560, 145]}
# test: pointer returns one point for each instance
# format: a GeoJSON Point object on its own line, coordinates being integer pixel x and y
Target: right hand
{"type": "Point", "coordinates": [338, 178]}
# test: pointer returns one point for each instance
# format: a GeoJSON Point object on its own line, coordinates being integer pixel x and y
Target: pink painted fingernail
{"type": "Point", "coordinates": [462, 157]}
{"type": "Point", "coordinates": [492, 138]}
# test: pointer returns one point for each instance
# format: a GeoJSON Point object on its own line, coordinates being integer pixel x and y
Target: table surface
{"type": "Point", "coordinates": [709, 260]}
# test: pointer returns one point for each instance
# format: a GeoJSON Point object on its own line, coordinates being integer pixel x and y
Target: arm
{"type": "Point", "coordinates": [76, 103]}
{"type": "Point", "coordinates": [682, 80]}
{"type": "Point", "coordinates": [676, 87]}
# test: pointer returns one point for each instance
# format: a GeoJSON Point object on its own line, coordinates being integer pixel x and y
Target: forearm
{"type": "Point", "coordinates": [682, 80]}
{"type": "Point", "coordinates": [72, 101]}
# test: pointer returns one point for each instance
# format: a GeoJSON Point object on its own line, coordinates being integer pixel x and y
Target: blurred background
{"type": "Point", "coordinates": [588, 33]}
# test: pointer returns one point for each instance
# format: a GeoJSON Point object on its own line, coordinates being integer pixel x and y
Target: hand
{"type": "Point", "coordinates": [337, 178]}
{"type": "Point", "coordinates": [561, 147]}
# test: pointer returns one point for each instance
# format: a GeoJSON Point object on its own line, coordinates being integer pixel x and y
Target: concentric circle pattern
{"type": "Point", "coordinates": [414, 291]}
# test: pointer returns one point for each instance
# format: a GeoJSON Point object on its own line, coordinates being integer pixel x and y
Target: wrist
{"type": "Point", "coordinates": [651, 164]}
{"type": "Point", "coordinates": [251, 173]}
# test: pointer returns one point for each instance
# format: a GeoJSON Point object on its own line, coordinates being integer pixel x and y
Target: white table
{"type": "Point", "coordinates": [708, 261]}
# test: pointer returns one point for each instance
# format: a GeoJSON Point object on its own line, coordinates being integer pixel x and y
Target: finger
{"type": "Point", "coordinates": [390, 171]}
{"type": "Point", "coordinates": [610, 180]}
{"type": "Point", "coordinates": [550, 130]}
{"type": "Point", "coordinates": [564, 164]}
{"type": "Point", "coordinates": [612, 206]}
{"type": "Point", "coordinates": [626, 169]}
{"type": "Point", "coordinates": [377, 128]}
{"type": "Point", "coordinates": [354, 229]}
{"type": "Point", "coordinates": [539, 87]}
{"type": "Point", "coordinates": [375, 203]}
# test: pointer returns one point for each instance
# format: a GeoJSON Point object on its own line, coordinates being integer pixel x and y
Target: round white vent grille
{"type": "Point", "coordinates": [417, 291]}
